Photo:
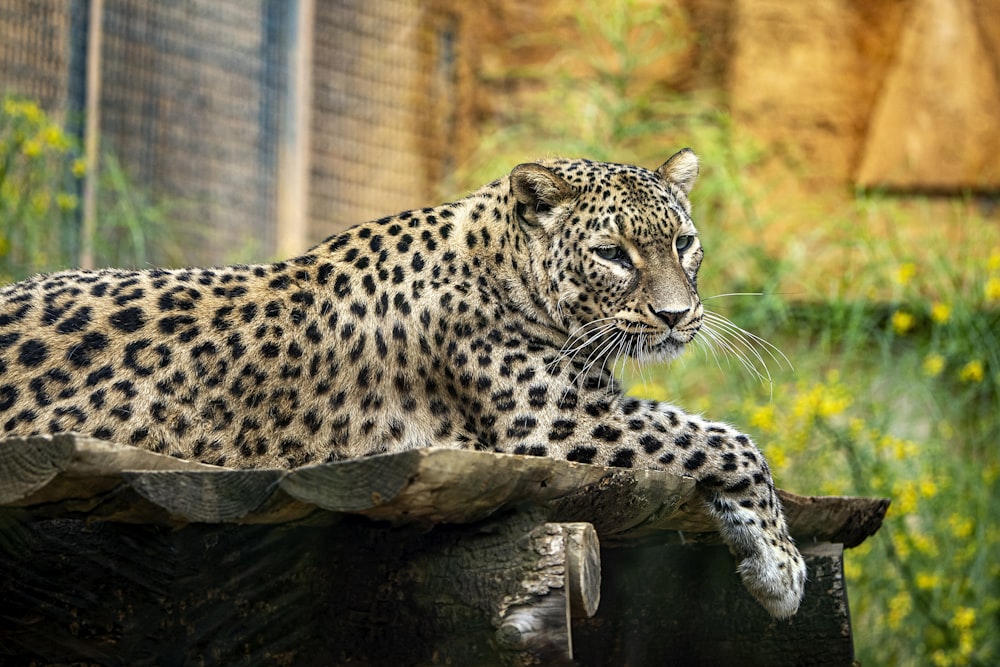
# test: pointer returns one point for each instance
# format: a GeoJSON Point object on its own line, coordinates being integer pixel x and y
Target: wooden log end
{"type": "Point", "coordinates": [583, 568]}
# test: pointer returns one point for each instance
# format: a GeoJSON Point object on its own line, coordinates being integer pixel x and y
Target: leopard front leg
{"type": "Point", "coordinates": [736, 482]}
{"type": "Point", "coordinates": [740, 494]}
{"type": "Point", "coordinates": [732, 475]}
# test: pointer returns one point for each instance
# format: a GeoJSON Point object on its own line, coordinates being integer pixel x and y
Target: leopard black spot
{"type": "Point", "coordinates": [16, 316]}
{"type": "Point", "coordinates": [650, 444]}
{"type": "Point", "coordinates": [8, 397]}
{"type": "Point", "coordinates": [739, 486]}
{"type": "Point", "coordinates": [33, 353]}
{"type": "Point", "coordinates": [128, 320]}
{"type": "Point", "coordinates": [401, 304]}
{"type": "Point", "coordinates": [695, 461]}
{"type": "Point", "coordinates": [597, 408]}
{"type": "Point", "coordinates": [561, 429]}
{"type": "Point", "coordinates": [582, 454]}
{"type": "Point", "coordinates": [6, 340]}
{"type": "Point", "coordinates": [76, 322]}
{"type": "Point", "coordinates": [38, 387]}
{"type": "Point", "coordinates": [131, 358]}
{"type": "Point", "coordinates": [522, 426]}
{"type": "Point", "coordinates": [623, 458]}
{"type": "Point", "coordinates": [121, 412]}
{"type": "Point", "coordinates": [82, 354]}
{"type": "Point", "coordinates": [568, 400]}
{"type": "Point", "coordinates": [503, 400]}
{"type": "Point", "coordinates": [606, 433]}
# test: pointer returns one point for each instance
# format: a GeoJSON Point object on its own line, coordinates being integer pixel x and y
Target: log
{"type": "Point", "coordinates": [304, 593]}
{"type": "Point", "coordinates": [72, 475]}
{"type": "Point", "coordinates": [115, 555]}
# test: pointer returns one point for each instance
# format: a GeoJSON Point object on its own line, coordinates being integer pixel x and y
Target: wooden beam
{"type": "Point", "coordinates": [294, 142]}
{"type": "Point", "coordinates": [91, 133]}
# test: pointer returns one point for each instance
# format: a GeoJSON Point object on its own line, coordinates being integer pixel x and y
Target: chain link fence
{"type": "Point", "coordinates": [194, 96]}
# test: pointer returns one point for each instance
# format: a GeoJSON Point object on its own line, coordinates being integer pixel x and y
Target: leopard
{"type": "Point", "coordinates": [490, 323]}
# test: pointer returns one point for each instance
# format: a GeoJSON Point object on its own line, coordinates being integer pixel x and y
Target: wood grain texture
{"type": "Point", "coordinates": [73, 474]}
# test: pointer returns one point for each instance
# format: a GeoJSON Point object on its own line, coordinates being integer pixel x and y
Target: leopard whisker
{"type": "Point", "coordinates": [750, 340]}
{"type": "Point", "coordinates": [598, 354]}
{"type": "Point", "coordinates": [716, 340]}
{"type": "Point", "coordinates": [568, 353]}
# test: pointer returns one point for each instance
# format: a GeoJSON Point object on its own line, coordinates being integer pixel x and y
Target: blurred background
{"type": "Point", "coordinates": [848, 204]}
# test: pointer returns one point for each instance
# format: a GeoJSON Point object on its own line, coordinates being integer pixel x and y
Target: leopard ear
{"type": "Point", "coordinates": [537, 190]}
{"type": "Point", "coordinates": [681, 169]}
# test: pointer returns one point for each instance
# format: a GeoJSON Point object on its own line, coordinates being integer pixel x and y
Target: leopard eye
{"type": "Point", "coordinates": [683, 242]}
{"type": "Point", "coordinates": [612, 253]}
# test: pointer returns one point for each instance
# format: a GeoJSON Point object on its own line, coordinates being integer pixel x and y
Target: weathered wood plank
{"type": "Point", "coordinates": [75, 474]}
{"type": "Point", "coordinates": [456, 486]}
{"type": "Point", "coordinates": [206, 497]}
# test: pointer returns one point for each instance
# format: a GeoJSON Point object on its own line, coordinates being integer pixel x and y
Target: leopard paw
{"type": "Point", "coordinates": [776, 577]}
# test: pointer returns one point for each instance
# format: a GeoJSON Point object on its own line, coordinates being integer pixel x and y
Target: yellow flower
{"type": "Point", "coordinates": [925, 544]}
{"type": "Point", "coordinates": [905, 273]}
{"type": "Point", "coordinates": [777, 457]}
{"type": "Point", "coordinates": [902, 322]}
{"type": "Point", "coordinates": [994, 262]}
{"type": "Point", "coordinates": [972, 371]}
{"type": "Point", "coordinates": [899, 609]}
{"type": "Point", "coordinates": [992, 290]}
{"type": "Point", "coordinates": [32, 148]}
{"type": "Point", "coordinates": [940, 312]}
{"type": "Point", "coordinates": [933, 365]}
{"type": "Point", "coordinates": [32, 112]}
{"type": "Point", "coordinates": [928, 488]}
{"type": "Point", "coordinates": [79, 167]}
{"type": "Point", "coordinates": [66, 201]}
{"type": "Point", "coordinates": [763, 419]}
{"type": "Point", "coordinates": [961, 526]}
{"type": "Point", "coordinates": [964, 618]}
{"type": "Point", "coordinates": [906, 498]}
{"type": "Point", "coordinates": [55, 138]}
{"type": "Point", "coordinates": [928, 581]}
{"type": "Point", "coordinates": [941, 659]}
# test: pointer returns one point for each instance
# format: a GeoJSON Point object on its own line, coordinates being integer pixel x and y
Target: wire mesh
{"type": "Point", "coordinates": [194, 93]}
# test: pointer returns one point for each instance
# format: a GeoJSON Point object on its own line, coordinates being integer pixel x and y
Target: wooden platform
{"type": "Point", "coordinates": [113, 555]}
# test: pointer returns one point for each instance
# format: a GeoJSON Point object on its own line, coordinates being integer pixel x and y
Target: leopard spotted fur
{"type": "Point", "coordinates": [486, 323]}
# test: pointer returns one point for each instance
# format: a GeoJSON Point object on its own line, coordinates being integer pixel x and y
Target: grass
{"type": "Point", "coordinates": [887, 308]}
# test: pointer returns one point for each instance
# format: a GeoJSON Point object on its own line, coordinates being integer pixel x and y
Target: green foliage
{"type": "Point", "coordinates": [896, 387]}
{"type": "Point", "coordinates": [41, 174]}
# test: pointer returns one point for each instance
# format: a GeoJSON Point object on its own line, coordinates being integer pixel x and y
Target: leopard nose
{"type": "Point", "coordinates": [672, 317]}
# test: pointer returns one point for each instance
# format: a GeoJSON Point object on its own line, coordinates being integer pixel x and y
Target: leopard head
{"type": "Point", "coordinates": [614, 254]}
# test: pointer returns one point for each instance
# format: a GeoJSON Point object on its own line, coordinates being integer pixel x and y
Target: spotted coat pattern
{"type": "Point", "coordinates": [488, 323]}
